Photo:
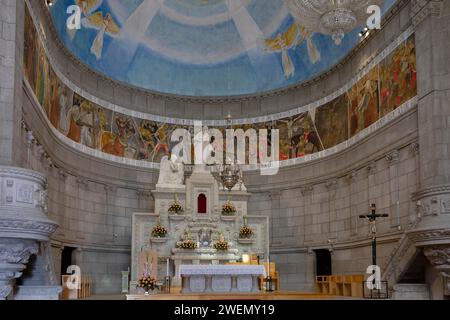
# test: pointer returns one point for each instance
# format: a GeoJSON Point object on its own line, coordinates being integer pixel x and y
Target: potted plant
{"type": "Point", "coordinates": [221, 245]}
{"type": "Point", "coordinates": [159, 231]}
{"type": "Point", "coordinates": [187, 244]}
{"type": "Point", "coordinates": [175, 208]}
{"type": "Point", "coordinates": [228, 209]}
{"type": "Point", "coordinates": [245, 232]}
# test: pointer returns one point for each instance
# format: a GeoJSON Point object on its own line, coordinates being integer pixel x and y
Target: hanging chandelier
{"type": "Point", "coordinates": [230, 173]}
{"type": "Point", "coordinates": [331, 17]}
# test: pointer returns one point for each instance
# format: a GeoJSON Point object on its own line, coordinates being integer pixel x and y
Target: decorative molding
{"type": "Point", "coordinates": [306, 190]}
{"type": "Point", "coordinates": [421, 9]}
{"type": "Point", "coordinates": [371, 168]}
{"type": "Point", "coordinates": [331, 184]}
{"type": "Point", "coordinates": [62, 174]}
{"type": "Point", "coordinates": [5, 291]}
{"type": "Point", "coordinates": [110, 189]}
{"type": "Point", "coordinates": [352, 176]}
{"type": "Point", "coordinates": [143, 193]}
{"type": "Point", "coordinates": [415, 148]}
{"type": "Point", "coordinates": [433, 236]}
{"type": "Point", "coordinates": [439, 256]}
{"type": "Point", "coordinates": [393, 157]}
{"type": "Point", "coordinates": [431, 191]}
{"type": "Point", "coordinates": [11, 225]}
{"type": "Point", "coordinates": [82, 183]}
{"type": "Point", "coordinates": [275, 194]}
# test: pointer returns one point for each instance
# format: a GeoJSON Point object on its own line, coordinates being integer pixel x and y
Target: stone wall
{"type": "Point", "coordinates": [311, 206]}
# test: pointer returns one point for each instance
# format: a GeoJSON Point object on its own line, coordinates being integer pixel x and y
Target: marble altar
{"type": "Point", "coordinates": [205, 229]}
{"type": "Point", "coordinates": [220, 278]}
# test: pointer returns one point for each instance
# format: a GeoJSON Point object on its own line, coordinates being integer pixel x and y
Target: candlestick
{"type": "Point", "coordinates": [167, 267]}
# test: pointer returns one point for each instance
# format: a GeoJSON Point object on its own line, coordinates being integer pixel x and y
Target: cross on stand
{"type": "Point", "coordinates": [372, 217]}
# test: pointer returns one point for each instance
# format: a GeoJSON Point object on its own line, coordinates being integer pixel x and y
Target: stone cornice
{"type": "Point", "coordinates": [431, 191]}
{"type": "Point", "coordinates": [422, 237]}
{"type": "Point", "coordinates": [341, 245]}
{"type": "Point", "coordinates": [217, 100]}
{"type": "Point", "coordinates": [421, 9]}
{"type": "Point", "coordinates": [27, 228]}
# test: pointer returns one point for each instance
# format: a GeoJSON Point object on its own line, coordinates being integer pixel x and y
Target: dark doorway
{"type": "Point", "coordinates": [66, 259]}
{"type": "Point", "coordinates": [323, 262]}
{"type": "Point", "coordinates": [201, 203]}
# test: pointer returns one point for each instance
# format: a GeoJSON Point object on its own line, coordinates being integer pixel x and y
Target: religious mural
{"type": "Point", "coordinates": [364, 102]}
{"type": "Point", "coordinates": [381, 90]}
{"type": "Point", "coordinates": [332, 121]}
{"type": "Point", "coordinates": [398, 76]}
{"type": "Point", "coordinates": [199, 47]}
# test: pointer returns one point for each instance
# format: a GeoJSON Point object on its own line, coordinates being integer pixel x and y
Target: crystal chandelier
{"type": "Point", "coordinates": [331, 17]}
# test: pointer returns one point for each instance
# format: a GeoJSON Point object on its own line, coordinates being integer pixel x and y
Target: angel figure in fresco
{"type": "Point", "coordinates": [292, 38]}
{"type": "Point", "coordinates": [104, 24]}
{"type": "Point", "coordinates": [282, 43]}
{"type": "Point", "coordinates": [87, 7]}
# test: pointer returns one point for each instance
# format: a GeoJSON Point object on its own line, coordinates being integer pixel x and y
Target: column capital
{"type": "Point", "coordinates": [393, 157]}
{"type": "Point", "coordinates": [371, 167]}
{"type": "Point", "coordinates": [331, 184]}
{"type": "Point", "coordinates": [82, 182]}
{"type": "Point", "coordinates": [415, 148]}
{"type": "Point", "coordinates": [110, 188]}
{"type": "Point", "coordinates": [307, 190]}
{"type": "Point", "coordinates": [351, 176]}
{"type": "Point", "coordinates": [275, 194]}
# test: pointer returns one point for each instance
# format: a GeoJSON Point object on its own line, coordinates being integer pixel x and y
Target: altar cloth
{"type": "Point", "coordinates": [199, 269]}
{"type": "Point", "coordinates": [221, 278]}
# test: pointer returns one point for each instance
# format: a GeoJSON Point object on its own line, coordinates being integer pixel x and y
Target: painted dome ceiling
{"type": "Point", "coordinates": [198, 47]}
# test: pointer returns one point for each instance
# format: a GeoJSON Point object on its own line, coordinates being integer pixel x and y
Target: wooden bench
{"type": "Point", "coordinates": [340, 285]}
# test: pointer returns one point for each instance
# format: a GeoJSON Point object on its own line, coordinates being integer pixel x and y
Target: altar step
{"type": "Point", "coordinates": [280, 295]}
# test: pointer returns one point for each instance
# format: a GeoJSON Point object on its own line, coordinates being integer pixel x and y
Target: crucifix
{"type": "Point", "coordinates": [372, 216]}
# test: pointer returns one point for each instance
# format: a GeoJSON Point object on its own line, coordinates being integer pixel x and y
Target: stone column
{"type": "Point", "coordinates": [11, 75]}
{"type": "Point", "coordinates": [432, 22]}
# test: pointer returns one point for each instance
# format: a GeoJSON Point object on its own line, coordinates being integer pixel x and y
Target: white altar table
{"type": "Point", "coordinates": [220, 278]}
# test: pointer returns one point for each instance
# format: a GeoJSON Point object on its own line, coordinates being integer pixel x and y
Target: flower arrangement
{"type": "Point", "coordinates": [228, 209]}
{"type": "Point", "coordinates": [175, 207]}
{"type": "Point", "coordinates": [187, 244]}
{"type": "Point", "coordinates": [245, 232]}
{"type": "Point", "coordinates": [147, 283]}
{"type": "Point", "coordinates": [159, 231]}
{"type": "Point", "coordinates": [221, 245]}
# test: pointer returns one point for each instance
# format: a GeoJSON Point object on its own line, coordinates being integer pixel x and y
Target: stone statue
{"type": "Point", "coordinates": [171, 172]}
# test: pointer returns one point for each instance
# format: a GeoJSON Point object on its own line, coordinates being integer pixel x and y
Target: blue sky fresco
{"type": "Point", "coordinates": [196, 47]}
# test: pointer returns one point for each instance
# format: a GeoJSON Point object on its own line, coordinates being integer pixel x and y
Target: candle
{"type": "Point", "coordinates": [268, 259]}
{"type": "Point", "coordinates": [167, 267]}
